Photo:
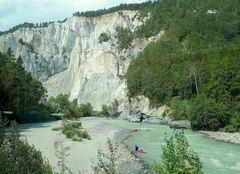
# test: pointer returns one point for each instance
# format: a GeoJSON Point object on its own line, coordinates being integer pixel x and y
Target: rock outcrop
{"type": "Point", "coordinates": [140, 107]}
{"type": "Point", "coordinates": [69, 58]}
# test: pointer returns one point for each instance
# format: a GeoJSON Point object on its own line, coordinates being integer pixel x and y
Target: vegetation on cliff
{"type": "Point", "coordinates": [196, 61]}
{"type": "Point", "coordinates": [104, 37]}
{"type": "Point", "coordinates": [93, 13]}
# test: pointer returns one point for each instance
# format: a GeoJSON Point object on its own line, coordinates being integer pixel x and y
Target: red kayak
{"type": "Point", "coordinates": [142, 151]}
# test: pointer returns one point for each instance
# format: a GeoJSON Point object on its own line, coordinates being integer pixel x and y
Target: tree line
{"type": "Point", "coordinates": [30, 25]}
{"type": "Point", "coordinates": [120, 7]}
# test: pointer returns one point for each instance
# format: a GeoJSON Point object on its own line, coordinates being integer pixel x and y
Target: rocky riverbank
{"type": "Point", "coordinates": [224, 136]}
{"type": "Point", "coordinates": [134, 116]}
{"type": "Point", "coordinates": [128, 162]}
{"type": "Point", "coordinates": [82, 156]}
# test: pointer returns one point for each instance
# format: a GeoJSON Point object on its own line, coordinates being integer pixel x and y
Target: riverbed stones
{"type": "Point", "coordinates": [224, 136]}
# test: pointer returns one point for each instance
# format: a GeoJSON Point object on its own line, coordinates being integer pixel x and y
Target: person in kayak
{"type": "Point", "coordinates": [136, 148]}
{"type": "Point", "coordinates": [141, 118]}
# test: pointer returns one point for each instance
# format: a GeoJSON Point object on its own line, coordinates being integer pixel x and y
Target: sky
{"type": "Point", "coordinates": [14, 12]}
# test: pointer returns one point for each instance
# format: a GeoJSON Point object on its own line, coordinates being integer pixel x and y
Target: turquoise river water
{"type": "Point", "coordinates": [217, 157]}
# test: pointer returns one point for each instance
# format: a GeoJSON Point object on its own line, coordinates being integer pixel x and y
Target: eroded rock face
{"type": "Point", "coordinates": [142, 104]}
{"type": "Point", "coordinates": [69, 58]}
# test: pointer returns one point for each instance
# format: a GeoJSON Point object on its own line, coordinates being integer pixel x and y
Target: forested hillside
{"type": "Point", "coordinates": [195, 66]}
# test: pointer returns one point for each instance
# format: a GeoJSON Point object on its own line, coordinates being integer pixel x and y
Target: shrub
{"type": "Point", "coordinates": [73, 130]}
{"type": "Point", "coordinates": [85, 109]}
{"type": "Point", "coordinates": [104, 111]}
{"type": "Point", "coordinates": [76, 124]}
{"type": "Point", "coordinates": [56, 129]}
{"type": "Point", "coordinates": [177, 157]}
{"type": "Point", "coordinates": [85, 135]}
{"type": "Point", "coordinates": [76, 138]}
{"type": "Point", "coordinates": [229, 128]}
{"type": "Point", "coordinates": [103, 37]}
{"type": "Point", "coordinates": [111, 110]}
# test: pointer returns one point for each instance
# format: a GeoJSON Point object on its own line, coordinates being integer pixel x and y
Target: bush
{"type": "Point", "coordinates": [76, 138]}
{"type": "Point", "coordinates": [111, 110]}
{"type": "Point", "coordinates": [103, 37]}
{"type": "Point", "coordinates": [177, 157]}
{"type": "Point", "coordinates": [104, 111]}
{"type": "Point", "coordinates": [207, 114]}
{"type": "Point", "coordinates": [229, 128]}
{"type": "Point", "coordinates": [56, 129]}
{"type": "Point", "coordinates": [73, 130]}
{"type": "Point", "coordinates": [85, 109]}
{"type": "Point", "coordinates": [85, 135]}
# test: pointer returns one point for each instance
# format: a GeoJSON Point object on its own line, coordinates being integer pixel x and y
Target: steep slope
{"type": "Point", "coordinates": [68, 57]}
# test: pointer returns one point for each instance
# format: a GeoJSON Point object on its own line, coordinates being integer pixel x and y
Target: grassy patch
{"type": "Point", "coordinates": [56, 129]}
{"type": "Point", "coordinates": [74, 130]}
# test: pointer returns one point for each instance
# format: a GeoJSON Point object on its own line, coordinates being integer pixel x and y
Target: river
{"type": "Point", "coordinates": [217, 157]}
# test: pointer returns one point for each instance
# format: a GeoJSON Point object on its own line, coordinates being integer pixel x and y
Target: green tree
{"type": "Point", "coordinates": [177, 157]}
{"type": "Point", "coordinates": [86, 109]}
{"type": "Point", "coordinates": [20, 92]}
{"type": "Point", "coordinates": [72, 110]}
{"type": "Point", "coordinates": [104, 111]}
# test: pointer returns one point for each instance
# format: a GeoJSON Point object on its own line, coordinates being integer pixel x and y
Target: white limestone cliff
{"type": "Point", "coordinates": [69, 58]}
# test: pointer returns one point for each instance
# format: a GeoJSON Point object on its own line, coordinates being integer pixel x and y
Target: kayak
{"type": "Point", "coordinates": [135, 130]}
{"type": "Point", "coordinates": [142, 151]}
